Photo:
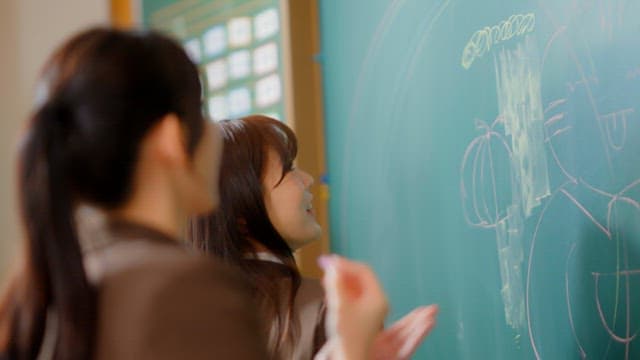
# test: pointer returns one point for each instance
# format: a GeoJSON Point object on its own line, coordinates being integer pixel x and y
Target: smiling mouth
{"type": "Point", "coordinates": [310, 210]}
{"type": "Point", "coordinates": [309, 200]}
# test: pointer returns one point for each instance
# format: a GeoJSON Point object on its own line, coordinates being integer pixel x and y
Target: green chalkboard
{"type": "Point", "coordinates": [237, 45]}
{"type": "Point", "coordinates": [485, 156]}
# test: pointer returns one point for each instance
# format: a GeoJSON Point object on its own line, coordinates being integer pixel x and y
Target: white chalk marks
{"type": "Point", "coordinates": [572, 161]}
{"type": "Point", "coordinates": [520, 104]}
{"type": "Point", "coordinates": [484, 39]}
{"type": "Point", "coordinates": [521, 144]}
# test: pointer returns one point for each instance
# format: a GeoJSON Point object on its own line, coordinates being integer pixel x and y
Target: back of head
{"type": "Point", "coordinates": [99, 94]}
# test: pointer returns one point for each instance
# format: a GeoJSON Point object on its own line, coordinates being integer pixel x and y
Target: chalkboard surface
{"type": "Point", "coordinates": [485, 156]}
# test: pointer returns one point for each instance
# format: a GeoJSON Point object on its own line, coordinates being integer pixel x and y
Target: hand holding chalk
{"type": "Point", "coordinates": [356, 308]}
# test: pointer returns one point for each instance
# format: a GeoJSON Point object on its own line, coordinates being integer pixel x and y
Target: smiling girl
{"type": "Point", "coordinates": [266, 214]}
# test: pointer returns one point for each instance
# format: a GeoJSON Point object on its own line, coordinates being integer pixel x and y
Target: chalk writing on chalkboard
{"type": "Point", "coordinates": [521, 135]}
{"type": "Point", "coordinates": [482, 40]}
{"type": "Point", "coordinates": [611, 229]}
{"type": "Point", "coordinates": [613, 129]}
{"type": "Point", "coordinates": [522, 120]}
{"type": "Point", "coordinates": [615, 124]}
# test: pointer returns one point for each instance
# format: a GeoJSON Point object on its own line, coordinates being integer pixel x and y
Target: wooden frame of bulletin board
{"type": "Point", "coordinates": [302, 101]}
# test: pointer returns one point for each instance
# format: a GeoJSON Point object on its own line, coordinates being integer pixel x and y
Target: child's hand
{"type": "Point", "coordinates": [356, 308]}
{"type": "Point", "coordinates": [401, 340]}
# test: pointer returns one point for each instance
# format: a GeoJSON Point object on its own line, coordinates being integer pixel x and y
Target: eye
{"type": "Point", "coordinates": [285, 172]}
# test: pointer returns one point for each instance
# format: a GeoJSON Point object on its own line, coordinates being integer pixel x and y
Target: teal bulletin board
{"type": "Point", "coordinates": [485, 156]}
{"type": "Point", "coordinates": [238, 47]}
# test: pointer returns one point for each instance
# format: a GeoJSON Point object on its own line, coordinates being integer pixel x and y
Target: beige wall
{"type": "Point", "coordinates": [29, 31]}
{"type": "Point", "coordinates": [8, 125]}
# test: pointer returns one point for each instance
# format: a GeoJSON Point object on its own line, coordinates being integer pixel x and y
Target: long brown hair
{"type": "Point", "coordinates": [101, 92]}
{"type": "Point", "coordinates": [242, 218]}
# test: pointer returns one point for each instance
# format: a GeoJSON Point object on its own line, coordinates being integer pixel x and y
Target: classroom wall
{"type": "Point", "coordinates": [29, 31]}
{"type": "Point", "coordinates": [8, 99]}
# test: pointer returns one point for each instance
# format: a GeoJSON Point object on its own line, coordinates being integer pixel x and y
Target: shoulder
{"type": "Point", "coordinates": [174, 279]}
{"type": "Point", "coordinates": [165, 269]}
{"type": "Point", "coordinates": [310, 290]}
{"type": "Point", "coordinates": [176, 305]}
{"type": "Point", "coordinates": [309, 303]}
{"type": "Point", "coordinates": [311, 309]}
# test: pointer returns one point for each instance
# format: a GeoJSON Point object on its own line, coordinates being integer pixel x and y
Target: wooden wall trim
{"type": "Point", "coordinates": [122, 13]}
{"type": "Point", "coordinates": [308, 120]}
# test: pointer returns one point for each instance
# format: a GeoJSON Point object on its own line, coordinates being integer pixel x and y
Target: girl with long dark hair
{"type": "Point", "coordinates": [266, 214]}
{"type": "Point", "coordinates": [117, 126]}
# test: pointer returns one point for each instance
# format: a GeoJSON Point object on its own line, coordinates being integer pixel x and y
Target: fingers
{"type": "Point", "coordinates": [417, 325]}
{"type": "Point", "coordinates": [352, 281]}
{"type": "Point", "coordinates": [356, 306]}
{"type": "Point", "coordinates": [401, 340]}
{"type": "Point", "coordinates": [417, 315]}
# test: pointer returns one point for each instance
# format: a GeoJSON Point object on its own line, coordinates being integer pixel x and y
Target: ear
{"type": "Point", "coordinates": [166, 141]}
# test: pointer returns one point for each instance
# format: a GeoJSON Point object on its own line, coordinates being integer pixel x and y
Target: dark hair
{"type": "Point", "coordinates": [100, 93]}
{"type": "Point", "coordinates": [242, 217]}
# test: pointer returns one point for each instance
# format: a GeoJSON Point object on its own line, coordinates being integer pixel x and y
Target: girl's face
{"type": "Point", "coordinates": [289, 203]}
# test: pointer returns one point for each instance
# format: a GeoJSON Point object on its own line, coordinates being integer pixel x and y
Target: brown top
{"type": "Point", "coordinates": [310, 309]}
{"type": "Point", "coordinates": [157, 301]}
{"type": "Point", "coordinates": [309, 313]}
